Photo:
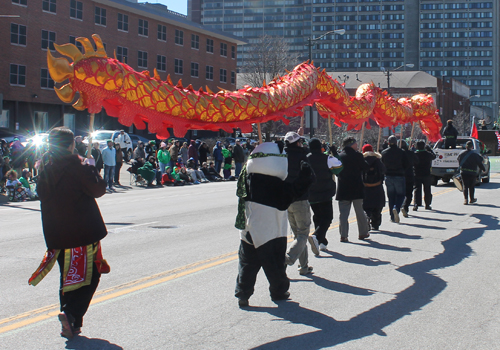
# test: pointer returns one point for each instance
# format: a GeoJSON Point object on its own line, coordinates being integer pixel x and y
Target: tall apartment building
{"type": "Point", "coordinates": [447, 38]}
{"type": "Point", "coordinates": [145, 36]}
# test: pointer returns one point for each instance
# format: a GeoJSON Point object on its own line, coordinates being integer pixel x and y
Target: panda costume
{"type": "Point", "coordinates": [264, 197]}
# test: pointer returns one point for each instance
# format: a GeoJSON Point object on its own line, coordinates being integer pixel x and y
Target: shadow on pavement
{"type": "Point", "coordinates": [84, 343]}
{"type": "Point", "coordinates": [432, 219]}
{"type": "Point", "coordinates": [490, 185]}
{"type": "Point", "coordinates": [334, 286]}
{"type": "Point", "coordinates": [425, 227]}
{"type": "Point", "coordinates": [354, 259]}
{"type": "Point", "coordinates": [9, 205]}
{"type": "Point", "coordinates": [398, 235]}
{"type": "Point", "coordinates": [378, 245]}
{"type": "Point", "coordinates": [426, 286]}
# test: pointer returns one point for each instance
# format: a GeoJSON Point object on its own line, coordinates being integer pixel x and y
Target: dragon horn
{"type": "Point", "coordinates": [99, 45]}
{"type": "Point", "coordinates": [70, 51]}
{"type": "Point", "coordinates": [179, 84]}
{"type": "Point", "coordinates": [169, 81]}
{"type": "Point", "coordinates": [89, 50]}
{"type": "Point", "coordinates": [156, 75]}
{"type": "Point", "coordinates": [59, 68]}
{"type": "Point", "coordinates": [65, 93]}
{"type": "Point", "coordinates": [208, 90]}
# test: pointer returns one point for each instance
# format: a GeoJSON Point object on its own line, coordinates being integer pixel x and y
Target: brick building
{"type": "Point", "coordinates": [145, 36]}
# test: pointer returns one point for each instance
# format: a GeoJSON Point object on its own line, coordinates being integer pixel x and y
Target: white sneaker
{"type": "Point", "coordinates": [323, 247]}
{"type": "Point", "coordinates": [396, 215]}
{"type": "Point", "coordinates": [314, 244]}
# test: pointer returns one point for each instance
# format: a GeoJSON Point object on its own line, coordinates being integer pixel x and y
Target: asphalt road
{"type": "Point", "coordinates": [430, 282]}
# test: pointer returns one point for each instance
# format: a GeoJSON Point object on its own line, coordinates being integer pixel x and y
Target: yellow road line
{"type": "Point", "coordinates": [46, 312]}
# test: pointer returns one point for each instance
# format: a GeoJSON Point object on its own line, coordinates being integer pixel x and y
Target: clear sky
{"type": "Point", "coordinates": [174, 5]}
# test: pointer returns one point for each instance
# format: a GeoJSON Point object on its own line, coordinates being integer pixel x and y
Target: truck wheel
{"type": "Point", "coordinates": [434, 180]}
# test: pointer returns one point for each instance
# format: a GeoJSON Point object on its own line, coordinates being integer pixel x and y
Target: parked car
{"type": "Point", "coordinates": [102, 136]}
{"type": "Point", "coordinates": [446, 163]}
{"type": "Point", "coordinates": [136, 138]}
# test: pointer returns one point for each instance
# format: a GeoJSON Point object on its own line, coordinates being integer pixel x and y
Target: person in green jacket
{"type": "Point", "coordinates": [147, 173]}
{"type": "Point", "coordinates": [24, 180]}
{"type": "Point", "coordinates": [163, 157]}
{"type": "Point", "coordinates": [176, 176]}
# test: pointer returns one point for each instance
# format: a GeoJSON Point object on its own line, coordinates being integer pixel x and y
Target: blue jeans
{"type": "Point", "coordinates": [396, 186]}
{"type": "Point", "coordinates": [162, 167]}
{"type": "Point", "coordinates": [218, 165]}
{"type": "Point", "coordinates": [237, 169]}
{"type": "Point", "coordinates": [109, 175]}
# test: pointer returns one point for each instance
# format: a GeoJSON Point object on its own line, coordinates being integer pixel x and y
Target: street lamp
{"type": "Point", "coordinates": [310, 41]}
{"type": "Point", "coordinates": [463, 104]}
{"type": "Point", "coordinates": [388, 73]}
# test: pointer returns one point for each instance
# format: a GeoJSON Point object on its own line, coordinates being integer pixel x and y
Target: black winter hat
{"type": "Point", "coordinates": [315, 144]}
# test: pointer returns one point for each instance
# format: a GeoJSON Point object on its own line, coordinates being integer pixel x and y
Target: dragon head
{"type": "Point", "coordinates": [93, 68]}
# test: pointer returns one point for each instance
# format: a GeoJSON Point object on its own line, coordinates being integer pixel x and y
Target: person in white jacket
{"type": "Point", "coordinates": [125, 143]}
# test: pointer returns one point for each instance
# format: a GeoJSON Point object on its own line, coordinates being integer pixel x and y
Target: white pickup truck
{"type": "Point", "coordinates": [446, 163]}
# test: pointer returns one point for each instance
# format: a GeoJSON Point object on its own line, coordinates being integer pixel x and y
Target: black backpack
{"type": "Point", "coordinates": [372, 176]}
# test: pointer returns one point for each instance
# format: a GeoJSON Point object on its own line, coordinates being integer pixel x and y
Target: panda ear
{"type": "Point", "coordinates": [281, 145]}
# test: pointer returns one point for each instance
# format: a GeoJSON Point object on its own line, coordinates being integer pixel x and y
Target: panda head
{"type": "Point", "coordinates": [267, 159]}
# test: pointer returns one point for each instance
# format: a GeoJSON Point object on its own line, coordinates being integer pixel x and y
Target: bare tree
{"type": "Point", "coordinates": [266, 59]}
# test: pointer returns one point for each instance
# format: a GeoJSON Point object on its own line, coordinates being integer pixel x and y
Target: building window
{"type": "Point", "coordinates": [122, 54]}
{"type": "Point", "coordinates": [233, 52]}
{"type": "Point", "coordinates": [210, 45]}
{"type": "Point", "coordinates": [179, 37]}
{"type": "Point", "coordinates": [4, 118]}
{"type": "Point", "coordinates": [223, 49]}
{"type": "Point", "coordinates": [233, 78]}
{"type": "Point", "coordinates": [17, 34]}
{"type": "Point", "coordinates": [162, 32]}
{"type": "Point", "coordinates": [209, 73]}
{"type": "Point", "coordinates": [178, 67]}
{"type": "Point", "coordinates": [195, 41]}
{"type": "Point", "coordinates": [123, 22]}
{"type": "Point", "coordinates": [194, 69]}
{"type": "Point", "coordinates": [48, 40]}
{"type": "Point", "coordinates": [223, 75]}
{"type": "Point", "coordinates": [100, 16]}
{"type": "Point", "coordinates": [161, 63]}
{"type": "Point", "coordinates": [142, 59]}
{"type": "Point", "coordinates": [17, 75]}
{"type": "Point", "coordinates": [46, 81]}
{"type": "Point", "coordinates": [76, 9]}
{"type": "Point", "coordinates": [20, 2]}
{"type": "Point", "coordinates": [143, 27]}
{"type": "Point", "coordinates": [69, 121]}
{"type": "Point", "coordinates": [49, 6]}
{"type": "Point", "coordinates": [72, 40]}
{"type": "Point", "coordinates": [41, 121]}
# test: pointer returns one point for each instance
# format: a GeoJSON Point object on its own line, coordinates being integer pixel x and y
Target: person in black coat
{"type": "Point", "coordinates": [321, 193]}
{"type": "Point", "coordinates": [450, 135]}
{"type": "Point", "coordinates": [373, 179]}
{"type": "Point", "coordinates": [409, 178]}
{"type": "Point", "coordinates": [239, 158]}
{"type": "Point", "coordinates": [396, 163]}
{"type": "Point", "coordinates": [72, 225]}
{"type": "Point", "coordinates": [299, 212]}
{"type": "Point", "coordinates": [423, 175]}
{"type": "Point", "coordinates": [469, 162]}
{"type": "Point", "coordinates": [350, 189]}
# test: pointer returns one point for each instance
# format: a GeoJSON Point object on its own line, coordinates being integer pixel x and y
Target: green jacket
{"type": "Point", "coordinates": [147, 172]}
{"type": "Point", "coordinates": [25, 182]}
{"type": "Point", "coordinates": [175, 175]}
{"type": "Point", "coordinates": [163, 156]}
